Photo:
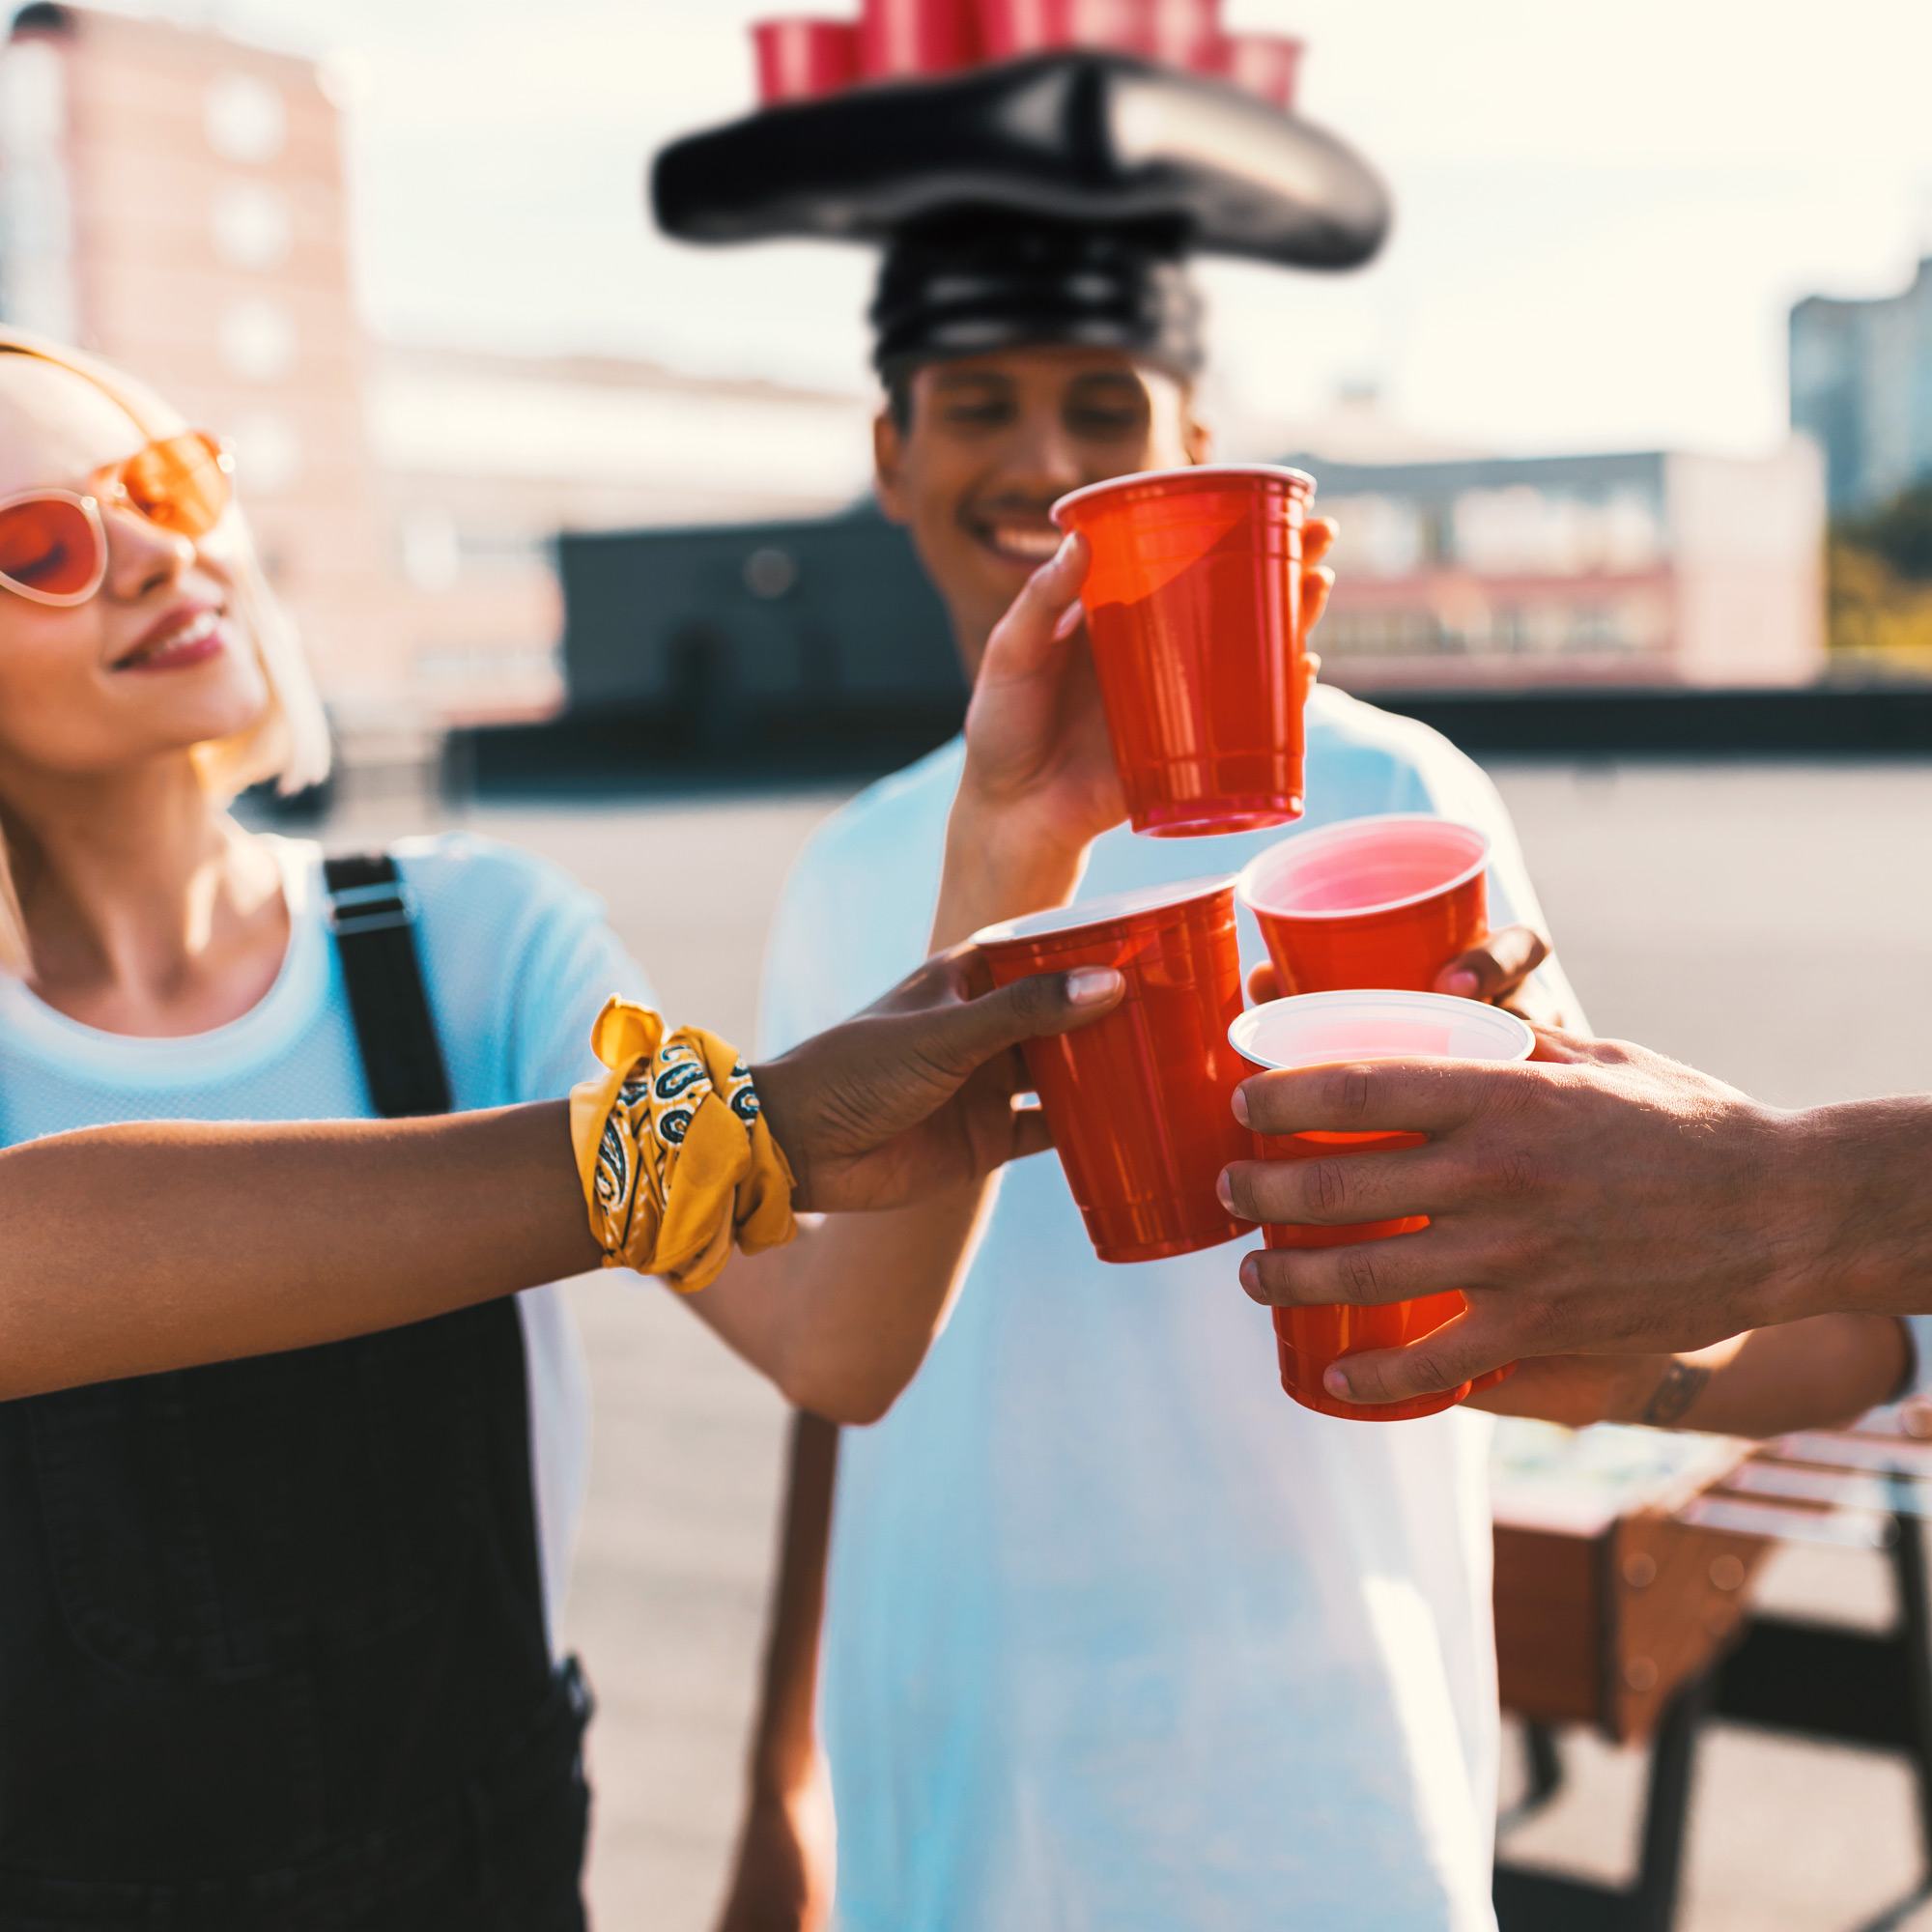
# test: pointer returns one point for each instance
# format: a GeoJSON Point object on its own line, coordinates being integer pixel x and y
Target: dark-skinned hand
{"type": "Point", "coordinates": [915, 1095]}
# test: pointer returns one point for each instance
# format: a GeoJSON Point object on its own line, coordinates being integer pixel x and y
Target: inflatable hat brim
{"type": "Point", "coordinates": [1078, 136]}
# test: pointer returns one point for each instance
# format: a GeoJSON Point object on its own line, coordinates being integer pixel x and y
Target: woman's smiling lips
{"type": "Point", "coordinates": [190, 635]}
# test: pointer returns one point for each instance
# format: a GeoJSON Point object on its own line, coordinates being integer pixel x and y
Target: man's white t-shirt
{"type": "Point", "coordinates": [1117, 1636]}
{"type": "Point", "coordinates": [517, 961]}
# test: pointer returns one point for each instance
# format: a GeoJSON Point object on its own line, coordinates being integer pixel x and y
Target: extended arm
{"type": "Point", "coordinates": [1814, 1374]}
{"type": "Point", "coordinates": [1605, 1200]}
{"type": "Point", "coordinates": [131, 1249]}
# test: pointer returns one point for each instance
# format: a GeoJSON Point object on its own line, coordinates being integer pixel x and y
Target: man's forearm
{"type": "Point", "coordinates": [998, 866]}
{"type": "Point", "coordinates": [128, 1250]}
{"type": "Point", "coordinates": [1813, 1374]}
{"type": "Point", "coordinates": [1863, 1172]}
{"type": "Point", "coordinates": [1605, 1200]}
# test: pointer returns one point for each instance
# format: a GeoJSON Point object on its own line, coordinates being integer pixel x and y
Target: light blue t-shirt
{"type": "Point", "coordinates": [1119, 1638]}
{"type": "Point", "coordinates": [517, 961]}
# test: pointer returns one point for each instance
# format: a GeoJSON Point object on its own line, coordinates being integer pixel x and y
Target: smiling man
{"type": "Point", "coordinates": [1114, 1634]}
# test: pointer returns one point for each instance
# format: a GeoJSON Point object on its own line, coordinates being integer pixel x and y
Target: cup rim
{"type": "Point", "coordinates": [1244, 884]}
{"type": "Point", "coordinates": [1160, 480]}
{"type": "Point", "coordinates": [1068, 922]}
{"type": "Point", "coordinates": [1442, 1005]}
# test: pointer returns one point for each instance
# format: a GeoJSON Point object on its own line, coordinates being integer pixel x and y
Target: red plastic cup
{"type": "Point", "coordinates": [1139, 1103]}
{"type": "Point", "coordinates": [1122, 26]}
{"type": "Point", "coordinates": [1187, 34]}
{"type": "Point", "coordinates": [1194, 607]}
{"type": "Point", "coordinates": [1266, 64]}
{"type": "Point", "coordinates": [800, 58]}
{"type": "Point", "coordinates": [1318, 1030]}
{"type": "Point", "coordinates": [1011, 29]}
{"type": "Point", "coordinates": [1384, 901]}
{"type": "Point", "coordinates": [899, 38]}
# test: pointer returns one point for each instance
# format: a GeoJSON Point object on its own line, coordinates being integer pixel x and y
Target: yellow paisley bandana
{"type": "Point", "coordinates": [675, 1153]}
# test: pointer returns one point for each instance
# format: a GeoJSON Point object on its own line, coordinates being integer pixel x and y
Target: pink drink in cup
{"type": "Point", "coordinates": [1322, 1029]}
{"type": "Point", "coordinates": [1383, 901]}
{"type": "Point", "coordinates": [1139, 1103]}
{"type": "Point", "coordinates": [1194, 608]}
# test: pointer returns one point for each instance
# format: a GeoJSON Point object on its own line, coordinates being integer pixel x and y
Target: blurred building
{"type": "Point", "coordinates": [174, 199]}
{"type": "Point", "coordinates": [1861, 384]}
{"type": "Point", "coordinates": [1656, 569]}
{"type": "Point", "coordinates": [483, 461]}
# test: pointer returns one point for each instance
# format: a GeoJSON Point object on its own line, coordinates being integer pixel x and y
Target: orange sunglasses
{"type": "Point", "coordinates": [53, 546]}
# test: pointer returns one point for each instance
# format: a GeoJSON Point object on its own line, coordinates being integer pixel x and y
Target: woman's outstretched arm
{"type": "Point", "coordinates": [130, 1249]}
{"type": "Point", "coordinates": [126, 1250]}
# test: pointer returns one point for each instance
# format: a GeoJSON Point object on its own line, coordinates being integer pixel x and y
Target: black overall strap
{"type": "Point", "coordinates": [372, 913]}
{"type": "Point", "coordinates": [273, 1643]}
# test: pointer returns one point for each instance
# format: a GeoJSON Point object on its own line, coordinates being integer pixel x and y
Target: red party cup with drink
{"type": "Point", "coordinates": [1320, 1030]}
{"type": "Point", "coordinates": [1194, 608]}
{"type": "Point", "coordinates": [1383, 901]}
{"type": "Point", "coordinates": [1139, 1103]}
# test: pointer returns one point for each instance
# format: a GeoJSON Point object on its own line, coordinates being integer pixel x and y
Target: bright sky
{"type": "Point", "coordinates": [1603, 213]}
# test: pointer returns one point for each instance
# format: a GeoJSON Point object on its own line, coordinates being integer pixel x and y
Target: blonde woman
{"type": "Point", "coordinates": [278, 1636]}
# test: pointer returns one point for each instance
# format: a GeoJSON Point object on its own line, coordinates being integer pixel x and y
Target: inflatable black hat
{"type": "Point", "coordinates": [1055, 199]}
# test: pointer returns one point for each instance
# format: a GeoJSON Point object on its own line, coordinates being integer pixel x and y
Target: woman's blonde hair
{"type": "Point", "coordinates": [290, 741]}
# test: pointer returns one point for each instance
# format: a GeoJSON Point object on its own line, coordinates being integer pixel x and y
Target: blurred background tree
{"type": "Point", "coordinates": [1879, 580]}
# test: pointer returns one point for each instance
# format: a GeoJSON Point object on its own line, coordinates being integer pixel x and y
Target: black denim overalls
{"type": "Point", "coordinates": [273, 1652]}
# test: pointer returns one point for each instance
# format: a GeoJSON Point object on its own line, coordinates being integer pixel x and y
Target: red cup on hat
{"type": "Point", "coordinates": [1182, 33]}
{"type": "Point", "coordinates": [1011, 29]}
{"type": "Point", "coordinates": [1187, 34]}
{"type": "Point", "coordinates": [800, 58]}
{"type": "Point", "coordinates": [902, 39]}
{"type": "Point", "coordinates": [1121, 26]}
{"type": "Point", "coordinates": [1383, 901]}
{"type": "Point", "coordinates": [1320, 1029]}
{"type": "Point", "coordinates": [1266, 64]}
{"type": "Point", "coordinates": [1194, 608]}
{"type": "Point", "coordinates": [1139, 1103]}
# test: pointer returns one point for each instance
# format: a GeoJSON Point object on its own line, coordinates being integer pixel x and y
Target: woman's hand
{"type": "Point", "coordinates": [1040, 784]}
{"type": "Point", "coordinates": [915, 1095]}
